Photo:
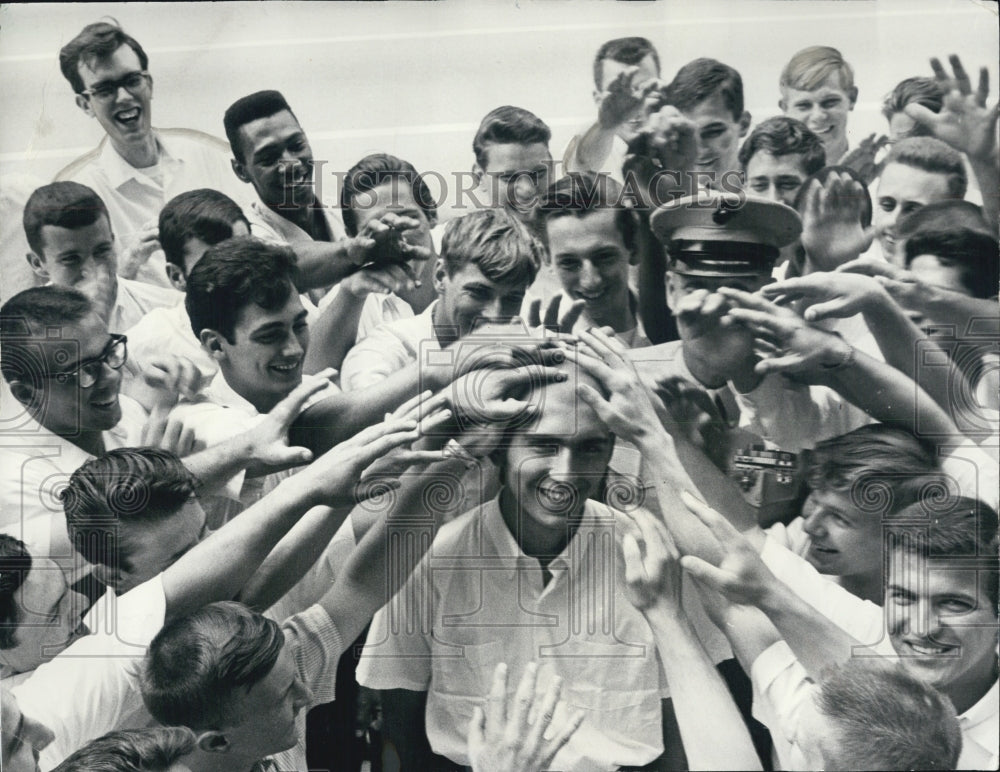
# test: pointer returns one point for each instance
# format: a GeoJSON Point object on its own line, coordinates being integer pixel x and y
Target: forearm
{"type": "Point", "coordinates": [334, 333]}
{"type": "Point", "coordinates": [293, 556]}
{"type": "Point", "coordinates": [947, 307]}
{"type": "Point", "coordinates": [219, 567]}
{"type": "Point", "coordinates": [987, 171]}
{"type": "Point", "coordinates": [903, 344]}
{"type": "Point", "coordinates": [377, 568]}
{"type": "Point", "coordinates": [322, 263]}
{"type": "Point", "coordinates": [217, 463]}
{"type": "Point", "coordinates": [815, 639]}
{"type": "Point", "coordinates": [711, 727]}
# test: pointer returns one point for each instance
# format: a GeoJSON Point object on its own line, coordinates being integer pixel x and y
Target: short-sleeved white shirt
{"type": "Point", "coordinates": [388, 349]}
{"type": "Point", "coordinates": [93, 686]}
{"type": "Point", "coordinates": [476, 600]}
{"type": "Point", "coordinates": [188, 160]}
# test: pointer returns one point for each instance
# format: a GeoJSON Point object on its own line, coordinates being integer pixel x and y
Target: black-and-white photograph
{"type": "Point", "coordinates": [581, 385]}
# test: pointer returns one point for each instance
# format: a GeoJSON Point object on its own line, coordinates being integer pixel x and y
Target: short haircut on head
{"type": "Point", "coordinates": [887, 718]}
{"type": "Point", "coordinates": [973, 253]}
{"type": "Point", "coordinates": [629, 51]}
{"type": "Point", "coordinates": [203, 214]}
{"type": "Point", "coordinates": [933, 156]}
{"type": "Point", "coordinates": [123, 485]}
{"type": "Point", "coordinates": [95, 42]}
{"type": "Point", "coordinates": [808, 68]}
{"type": "Point", "coordinates": [946, 527]}
{"type": "Point", "coordinates": [508, 125]}
{"type": "Point", "coordinates": [580, 193]}
{"type": "Point", "coordinates": [702, 78]}
{"type": "Point", "coordinates": [260, 104]}
{"type": "Point", "coordinates": [781, 136]}
{"type": "Point", "coordinates": [197, 663]}
{"type": "Point", "coordinates": [232, 275]}
{"type": "Point", "coordinates": [882, 468]}
{"type": "Point", "coordinates": [23, 320]}
{"type": "Point", "coordinates": [494, 241]}
{"type": "Point", "coordinates": [921, 91]}
{"type": "Point", "coordinates": [155, 749]}
{"type": "Point", "coordinates": [63, 204]}
{"type": "Point", "coordinates": [15, 563]}
{"type": "Point", "coordinates": [375, 170]}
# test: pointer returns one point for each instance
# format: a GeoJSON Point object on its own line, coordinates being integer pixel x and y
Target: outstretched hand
{"type": "Point", "coordinates": [823, 295]}
{"type": "Point", "coordinates": [964, 122]}
{"type": "Point", "coordinates": [553, 322]}
{"type": "Point", "coordinates": [511, 737]}
{"type": "Point", "coordinates": [652, 570]}
{"type": "Point", "coordinates": [832, 233]}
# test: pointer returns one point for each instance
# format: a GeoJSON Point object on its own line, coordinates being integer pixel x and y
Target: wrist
{"type": "Point", "coordinates": [839, 355]}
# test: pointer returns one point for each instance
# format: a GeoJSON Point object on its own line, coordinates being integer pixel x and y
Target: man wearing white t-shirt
{"type": "Point", "coordinates": [136, 169]}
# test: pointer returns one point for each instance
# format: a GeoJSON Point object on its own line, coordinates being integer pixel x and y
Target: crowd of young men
{"type": "Point", "coordinates": [680, 453]}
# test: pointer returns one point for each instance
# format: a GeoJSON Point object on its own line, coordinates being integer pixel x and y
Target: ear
{"type": "Point", "coordinates": [597, 96]}
{"type": "Point", "coordinates": [38, 267]}
{"type": "Point", "coordinates": [107, 575]}
{"type": "Point", "coordinates": [211, 341]}
{"type": "Point", "coordinates": [84, 104]}
{"type": "Point", "coordinates": [782, 105]}
{"type": "Point", "coordinates": [240, 170]}
{"type": "Point", "coordinates": [214, 741]}
{"type": "Point", "coordinates": [477, 173]}
{"type": "Point", "coordinates": [745, 120]}
{"type": "Point", "coordinates": [23, 392]}
{"type": "Point", "coordinates": [440, 276]}
{"type": "Point", "coordinates": [176, 277]}
{"type": "Point", "coordinates": [671, 290]}
{"type": "Point", "coordinates": [852, 95]}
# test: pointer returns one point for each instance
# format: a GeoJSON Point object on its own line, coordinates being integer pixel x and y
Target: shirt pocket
{"type": "Point", "coordinates": [467, 669]}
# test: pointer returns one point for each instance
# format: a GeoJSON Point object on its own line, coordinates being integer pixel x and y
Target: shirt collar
{"type": "Point", "coordinates": [982, 711]}
{"type": "Point", "coordinates": [288, 230]}
{"type": "Point", "coordinates": [497, 536]}
{"type": "Point", "coordinates": [119, 171]}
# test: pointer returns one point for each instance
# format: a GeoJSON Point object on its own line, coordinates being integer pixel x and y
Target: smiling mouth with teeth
{"type": "Point", "coordinates": [128, 116]}
{"type": "Point", "coordinates": [285, 368]}
{"type": "Point", "coordinates": [926, 650]}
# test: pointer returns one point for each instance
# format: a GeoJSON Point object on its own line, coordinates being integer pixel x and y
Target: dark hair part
{"type": "Point", "coordinates": [920, 91]}
{"type": "Point", "coordinates": [23, 320]}
{"type": "Point", "coordinates": [883, 469]}
{"type": "Point", "coordinates": [260, 104]}
{"type": "Point", "coordinates": [494, 241]}
{"type": "Point", "coordinates": [232, 275]}
{"type": "Point", "coordinates": [95, 42]}
{"type": "Point", "coordinates": [629, 51]}
{"type": "Point", "coordinates": [375, 170]}
{"type": "Point", "coordinates": [581, 193]}
{"type": "Point", "coordinates": [203, 214]}
{"type": "Point", "coordinates": [63, 204]}
{"type": "Point", "coordinates": [781, 136]}
{"type": "Point", "coordinates": [700, 79]}
{"type": "Point", "coordinates": [934, 156]}
{"type": "Point", "coordinates": [508, 125]}
{"type": "Point", "coordinates": [125, 485]}
{"type": "Point", "coordinates": [953, 527]}
{"type": "Point", "coordinates": [136, 750]}
{"type": "Point", "coordinates": [15, 563]}
{"type": "Point", "coordinates": [196, 663]}
{"type": "Point", "coordinates": [887, 719]}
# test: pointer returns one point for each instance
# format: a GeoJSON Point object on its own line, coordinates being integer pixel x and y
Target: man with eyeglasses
{"type": "Point", "coordinates": [135, 169]}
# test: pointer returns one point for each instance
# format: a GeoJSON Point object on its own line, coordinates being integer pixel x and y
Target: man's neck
{"type": "Point", "coordinates": [835, 152]}
{"type": "Point", "coordinates": [620, 318]}
{"type": "Point", "coordinates": [540, 544]}
{"type": "Point", "coordinates": [140, 154]}
{"type": "Point", "coordinates": [966, 693]}
{"type": "Point", "coordinates": [744, 379]}
{"type": "Point", "coordinates": [304, 215]}
{"type": "Point", "coordinates": [91, 442]}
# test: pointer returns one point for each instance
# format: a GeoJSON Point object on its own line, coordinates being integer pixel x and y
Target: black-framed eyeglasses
{"type": "Point", "coordinates": [86, 372]}
{"type": "Point", "coordinates": [135, 83]}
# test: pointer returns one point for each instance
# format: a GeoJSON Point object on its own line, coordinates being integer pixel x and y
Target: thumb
{"type": "Point", "coordinates": [293, 456]}
{"type": "Point", "coordinates": [477, 728]}
{"type": "Point", "coordinates": [705, 572]}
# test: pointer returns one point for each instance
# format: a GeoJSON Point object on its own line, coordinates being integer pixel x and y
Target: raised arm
{"type": "Point", "coordinates": [711, 727]}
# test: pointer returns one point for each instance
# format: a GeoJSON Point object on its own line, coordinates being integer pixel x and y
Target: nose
{"type": "Point", "coordinates": [590, 277]}
{"type": "Point", "coordinates": [813, 525]}
{"type": "Point", "coordinates": [817, 114]}
{"type": "Point", "coordinates": [563, 467]}
{"type": "Point", "coordinates": [493, 309]}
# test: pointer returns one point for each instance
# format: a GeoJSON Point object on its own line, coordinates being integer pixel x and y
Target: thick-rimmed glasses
{"type": "Point", "coordinates": [86, 372]}
{"type": "Point", "coordinates": [135, 83]}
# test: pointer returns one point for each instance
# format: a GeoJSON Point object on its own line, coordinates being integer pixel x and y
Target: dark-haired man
{"type": "Point", "coordinates": [135, 169]}
{"type": "Point", "coordinates": [778, 156]}
{"type": "Point", "coordinates": [710, 94]}
{"type": "Point", "coordinates": [623, 69]}
{"type": "Point", "coordinates": [271, 152]}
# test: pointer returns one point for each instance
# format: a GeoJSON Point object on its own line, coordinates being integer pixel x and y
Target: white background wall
{"type": "Point", "coordinates": [414, 79]}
